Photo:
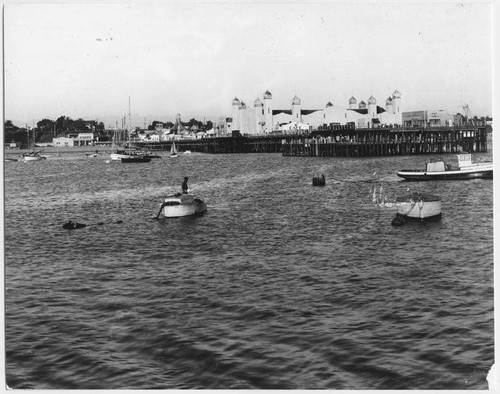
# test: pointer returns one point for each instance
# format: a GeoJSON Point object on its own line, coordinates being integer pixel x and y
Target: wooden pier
{"type": "Point", "coordinates": [389, 142]}
{"type": "Point", "coordinates": [343, 141]}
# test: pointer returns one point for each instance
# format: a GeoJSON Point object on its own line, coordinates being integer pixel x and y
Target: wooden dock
{"type": "Point", "coordinates": [389, 142]}
{"type": "Point", "coordinates": [344, 141]}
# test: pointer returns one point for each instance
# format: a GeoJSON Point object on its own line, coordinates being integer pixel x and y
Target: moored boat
{"type": "Point", "coordinates": [440, 170]}
{"type": "Point", "coordinates": [417, 206]}
{"type": "Point", "coordinates": [11, 159]}
{"type": "Point", "coordinates": [136, 159]}
{"type": "Point", "coordinates": [33, 156]}
{"type": "Point", "coordinates": [182, 204]}
{"type": "Point", "coordinates": [129, 155]}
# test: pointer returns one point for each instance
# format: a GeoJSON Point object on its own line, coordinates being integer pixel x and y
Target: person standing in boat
{"type": "Point", "coordinates": [185, 187]}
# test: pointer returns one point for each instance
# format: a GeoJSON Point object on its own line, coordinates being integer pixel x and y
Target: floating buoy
{"type": "Point", "coordinates": [398, 221]}
{"type": "Point", "coordinates": [319, 181]}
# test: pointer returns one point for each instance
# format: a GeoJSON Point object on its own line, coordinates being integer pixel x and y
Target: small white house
{"type": "Point", "coordinates": [63, 141]}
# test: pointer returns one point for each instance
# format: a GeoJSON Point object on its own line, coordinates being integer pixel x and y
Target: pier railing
{"type": "Point", "coordinates": [342, 142]}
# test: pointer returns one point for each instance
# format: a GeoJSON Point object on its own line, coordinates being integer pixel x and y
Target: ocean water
{"type": "Point", "coordinates": [280, 285]}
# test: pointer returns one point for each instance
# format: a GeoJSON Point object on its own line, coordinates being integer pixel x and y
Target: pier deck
{"type": "Point", "coordinates": [330, 142]}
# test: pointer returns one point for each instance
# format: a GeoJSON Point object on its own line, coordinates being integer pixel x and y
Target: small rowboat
{"type": "Point", "coordinates": [179, 205]}
{"type": "Point", "coordinates": [418, 206]}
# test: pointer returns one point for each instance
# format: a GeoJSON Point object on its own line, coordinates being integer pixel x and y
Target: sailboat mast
{"type": "Point", "coordinates": [129, 124]}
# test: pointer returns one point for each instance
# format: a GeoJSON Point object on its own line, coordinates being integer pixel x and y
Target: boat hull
{"type": "Point", "coordinates": [463, 174]}
{"type": "Point", "coordinates": [419, 206]}
{"type": "Point", "coordinates": [183, 205]}
{"type": "Point", "coordinates": [33, 158]}
{"type": "Point", "coordinates": [118, 156]}
{"type": "Point", "coordinates": [136, 159]}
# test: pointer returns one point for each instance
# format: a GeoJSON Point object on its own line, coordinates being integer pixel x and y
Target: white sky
{"type": "Point", "coordinates": [193, 58]}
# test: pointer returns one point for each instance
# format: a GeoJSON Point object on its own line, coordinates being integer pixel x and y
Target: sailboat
{"type": "Point", "coordinates": [128, 155]}
{"type": "Point", "coordinates": [173, 150]}
{"type": "Point", "coordinates": [33, 155]}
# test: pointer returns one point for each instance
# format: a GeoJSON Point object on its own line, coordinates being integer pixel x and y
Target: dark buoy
{"type": "Point", "coordinates": [398, 221]}
{"type": "Point", "coordinates": [72, 225]}
{"type": "Point", "coordinates": [319, 181]}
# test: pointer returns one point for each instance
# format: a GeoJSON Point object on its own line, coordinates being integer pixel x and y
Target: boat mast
{"type": "Point", "coordinates": [129, 124]}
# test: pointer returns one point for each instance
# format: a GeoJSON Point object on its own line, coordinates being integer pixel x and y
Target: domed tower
{"type": "Point", "coordinates": [296, 116]}
{"type": "Point", "coordinates": [388, 105]}
{"type": "Point", "coordinates": [235, 114]}
{"type": "Point", "coordinates": [328, 113]}
{"type": "Point", "coordinates": [268, 112]}
{"type": "Point", "coordinates": [372, 108]}
{"type": "Point", "coordinates": [362, 105]}
{"type": "Point", "coordinates": [243, 125]}
{"type": "Point", "coordinates": [259, 115]}
{"type": "Point", "coordinates": [353, 102]}
{"type": "Point", "coordinates": [396, 106]}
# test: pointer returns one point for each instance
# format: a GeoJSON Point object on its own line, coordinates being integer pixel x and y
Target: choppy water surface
{"type": "Point", "coordinates": [278, 286]}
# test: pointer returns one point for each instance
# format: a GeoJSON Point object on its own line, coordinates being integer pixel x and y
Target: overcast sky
{"type": "Point", "coordinates": [86, 60]}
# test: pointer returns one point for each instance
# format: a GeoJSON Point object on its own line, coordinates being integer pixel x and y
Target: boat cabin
{"type": "Point", "coordinates": [464, 160]}
{"type": "Point", "coordinates": [436, 166]}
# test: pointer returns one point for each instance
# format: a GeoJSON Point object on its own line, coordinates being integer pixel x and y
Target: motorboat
{"type": "Point", "coordinates": [418, 206]}
{"type": "Point", "coordinates": [151, 155]}
{"type": "Point", "coordinates": [136, 159]}
{"type": "Point", "coordinates": [11, 158]}
{"type": "Point", "coordinates": [182, 204]}
{"type": "Point", "coordinates": [33, 156]}
{"type": "Point", "coordinates": [440, 170]}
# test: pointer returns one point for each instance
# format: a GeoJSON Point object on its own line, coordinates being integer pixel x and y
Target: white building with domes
{"type": "Point", "coordinates": [264, 118]}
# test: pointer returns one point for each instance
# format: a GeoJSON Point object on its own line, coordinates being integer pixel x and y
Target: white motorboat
{"type": "Point", "coordinates": [33, 156]}
{"type": "Point", "coordinates": [439, 170]}
{"type": "Point", "coordinates": [182, 204]}
{"type": "Point", "coordinates": [124, 154]}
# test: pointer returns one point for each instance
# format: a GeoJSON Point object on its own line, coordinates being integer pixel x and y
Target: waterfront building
{"type": "Point", "coordinates": [427, 118]}
{"type": "Point", "coordinates": [264, 118]}
{"type": "Point", "coordinates": [80, 139]}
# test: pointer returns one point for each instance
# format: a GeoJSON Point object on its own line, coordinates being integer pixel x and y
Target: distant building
{"type": "Point", "coordinates": [80, 139]}
{"type": "Point", "coordinates": [263, 118]}
{"type": "Point", "coordinates": [63, 141]}
{"type": "Point", "coordinates": [427, 118]}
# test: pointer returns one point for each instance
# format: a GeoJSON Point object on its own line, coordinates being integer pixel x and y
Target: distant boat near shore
{"type": "Point", "coordinates": [440, 170]}
{"type": "Point", "coordinates": [33, 156]}
{"type": "Point", "coordinates": [173, 150]}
